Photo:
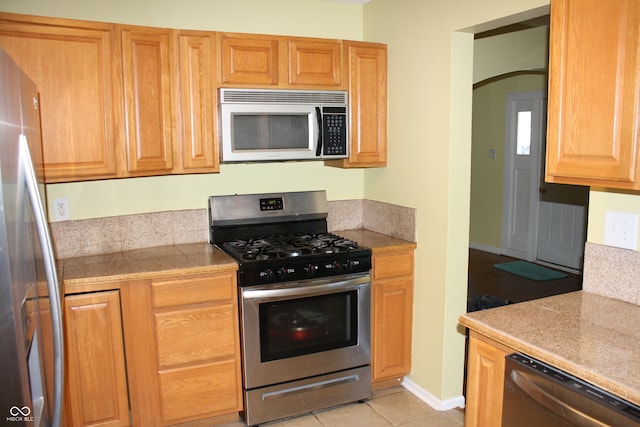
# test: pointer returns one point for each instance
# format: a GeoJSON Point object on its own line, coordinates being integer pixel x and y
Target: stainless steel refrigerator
{"type": "Point", "coordinates": [31, 347]}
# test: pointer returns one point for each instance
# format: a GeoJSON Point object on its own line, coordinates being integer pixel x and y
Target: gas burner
{"type": "Point", "coordinates": [288, 246]}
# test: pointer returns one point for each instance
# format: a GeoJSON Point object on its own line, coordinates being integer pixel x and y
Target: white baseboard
{"type": "Point", "coordinates": [430, 399]}
{"type": "Point", "coordinates": [485, 248]}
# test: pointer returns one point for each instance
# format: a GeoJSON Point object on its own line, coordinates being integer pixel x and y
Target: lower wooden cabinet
{"type": "Point", "coordinates": [96, 380]}
{"type": "Point", "coordinates": [157, 351]}
{"type": "Point", "coordinates": [183, 348]}
{"type": "Point", "coordinates": [197, 346]}
{"type": "Point", "coordinates": [392, 316]}
{"type": "Point", "coordinates": [485, 381]}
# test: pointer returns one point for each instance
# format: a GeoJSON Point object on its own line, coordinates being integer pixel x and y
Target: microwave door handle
{"type": "Point", "coordinates": [319, 144]}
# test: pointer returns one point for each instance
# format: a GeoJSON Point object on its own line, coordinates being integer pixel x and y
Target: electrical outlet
{"type": "Point", "coordinates": [621, 230]}
{"type": "Point", "coordinates": [61, 209]}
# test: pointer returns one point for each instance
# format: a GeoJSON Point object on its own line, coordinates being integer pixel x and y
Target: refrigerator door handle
{"type": "Point", "coordinates": [52, 279]}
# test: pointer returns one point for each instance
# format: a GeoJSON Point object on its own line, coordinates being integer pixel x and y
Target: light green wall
{"type": "Point", "coordinates": [600, 201]}
{"type": "Point", "coordinates": [487, 174]}
{"type": "Point", "coordinates": [311, 18]}
{"type": "Point", "coordinates": [430, 97]}
{"type": "Point", "coordinates": [531, 45]}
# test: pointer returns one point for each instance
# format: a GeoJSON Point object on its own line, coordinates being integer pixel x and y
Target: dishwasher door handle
{"type": "Point", "coordinates": [534, 387]}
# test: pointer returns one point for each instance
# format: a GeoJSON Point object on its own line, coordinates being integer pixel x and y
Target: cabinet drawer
{"type": "Point", "coordinates": [196, 334]}
{"type": "Point", "coordinates": [200, 391]}
{"type": "Point", "coordinates": [392, 265]}
{"type": "Point", "coordinates": [193, 290]}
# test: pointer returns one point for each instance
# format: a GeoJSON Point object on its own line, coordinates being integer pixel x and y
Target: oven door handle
{"type": "Point", "coordinates": [306, 290]}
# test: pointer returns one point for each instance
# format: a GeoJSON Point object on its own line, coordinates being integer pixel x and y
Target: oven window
{"type": "Point", "coordinates": [308, 325]}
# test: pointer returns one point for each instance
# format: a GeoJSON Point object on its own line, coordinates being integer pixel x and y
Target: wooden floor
{"type": "Point", "coordinates": [485, 279]}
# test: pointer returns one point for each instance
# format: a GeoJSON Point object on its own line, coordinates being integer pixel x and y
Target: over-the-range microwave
{"type": "Point", "coordinates": [271, 125]}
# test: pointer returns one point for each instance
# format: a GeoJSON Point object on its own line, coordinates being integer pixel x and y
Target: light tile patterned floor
{"type": "Point", "coordinates": [392, 407]}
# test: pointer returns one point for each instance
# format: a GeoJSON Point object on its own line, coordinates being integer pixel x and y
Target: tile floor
{"type": "Point", "coordinates": [391, 407]}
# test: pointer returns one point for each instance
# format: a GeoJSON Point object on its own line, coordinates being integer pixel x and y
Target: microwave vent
{"type": "Point", "coordinates": [251, 96]}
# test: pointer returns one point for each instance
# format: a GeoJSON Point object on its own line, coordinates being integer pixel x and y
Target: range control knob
{"type": "Point", "coordinates": [353, 265]}
{"type": "Point", "coordinates": [310, 270]}
{"type": "Point", "coordinates": [267, 275]}
{"type": "Point", "coordinates": [284, 273]}
{"type": "Point", "coordinates": [337, 267]}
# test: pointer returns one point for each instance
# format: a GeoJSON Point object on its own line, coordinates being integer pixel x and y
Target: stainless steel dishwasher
{"type": "Point", "coordinates": [536, 394]}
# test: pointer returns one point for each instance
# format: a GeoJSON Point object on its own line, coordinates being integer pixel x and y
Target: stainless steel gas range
{"type": "Point", "coordinates": [305, 303]}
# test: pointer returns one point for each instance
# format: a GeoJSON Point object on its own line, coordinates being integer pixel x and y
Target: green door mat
{"type": "Point", "coordinates": [530, 271]}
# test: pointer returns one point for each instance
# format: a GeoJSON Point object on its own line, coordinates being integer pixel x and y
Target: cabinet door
{"type": "Point", "coordinates": [485, 382]}
{"type": "Point", "coordinates": [315, 62]}
{"type": "Point", "coordinates": [248, 59]}
{"type": "Point", "coordinates": [367, 85]}
{"type": "Point", "coordinates": [594, 80]}
{"type": "Point", "coordinates": [147, 69]}
{"type": "Point", "coordinates": [96, 379]}
{"type": "Point", "coordinates": [196, 147]}
{"type": "Point", "coordinates": [197, 346]}
{"type": "Point", "coordinates": [74, 65]}
{"type": "Point", "coordinates": [392, 315]}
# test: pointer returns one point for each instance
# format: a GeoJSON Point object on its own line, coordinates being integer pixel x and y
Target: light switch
{"type": "Point", "coordinates": [492, 153]}
{"type": "Point", "coordinates": [621, 229]}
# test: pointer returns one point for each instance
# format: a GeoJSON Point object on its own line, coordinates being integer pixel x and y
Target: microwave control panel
{"type": "Point", "coordinates": [334, 131]}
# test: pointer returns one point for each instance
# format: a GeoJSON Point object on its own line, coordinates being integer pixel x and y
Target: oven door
{"type": "Point", "coordinates": [301, 329]}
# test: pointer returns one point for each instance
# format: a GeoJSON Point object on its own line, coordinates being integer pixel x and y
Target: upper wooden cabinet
{"type": "Point", "coordinates": [314, 62]}
{"type": "Point", "coordinates": [123, 101]}
{"type": "Point", "coordinates": [118, 101]}
{"type": "Point", "coordinates": [197, 150]}
{"type": "Point", "coordinates": [248, 59]}
{"type": "Point", "coordinates": [253, 60]}
{"type": "Point", "coordinates": [594, 81]}
{"type": "Point", "coordinates": [75, 65]}
{"type": "Point", "coordinates": [170, 101]}
{"type": "Point", "coordinates": [148, 70]}
{"type": "Point", "coordinates": [367, 86]}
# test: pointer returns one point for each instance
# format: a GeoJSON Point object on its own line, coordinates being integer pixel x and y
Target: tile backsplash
{"type": "Point", "coordinates": [127, 232]}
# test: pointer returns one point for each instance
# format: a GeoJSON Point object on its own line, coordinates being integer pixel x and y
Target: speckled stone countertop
{"type": "Point", "coordinates": [593, 337]}
{"type": "Point", "coordinates": [99, 272]}
{"type": "Point", "coordinates": [94, 272]}
{"type": "Point", "coordinates": [376, 241]}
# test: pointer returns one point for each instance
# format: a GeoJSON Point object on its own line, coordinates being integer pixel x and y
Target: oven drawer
{"type": "Point", "coordinates": [306, 395]}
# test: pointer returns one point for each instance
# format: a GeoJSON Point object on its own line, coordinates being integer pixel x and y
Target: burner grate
{"type": "Point", "coordinates": [288, 246]}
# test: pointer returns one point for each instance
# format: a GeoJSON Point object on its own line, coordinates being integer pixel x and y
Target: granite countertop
{"type": "Point", "coordinates": [377, 242]}
{"type": "Point", "coordinates": [94, 272]}
{"type": "Point", "coordinates": [590, 336]}
{"type": "Point", "coordinates": [99, 272]}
